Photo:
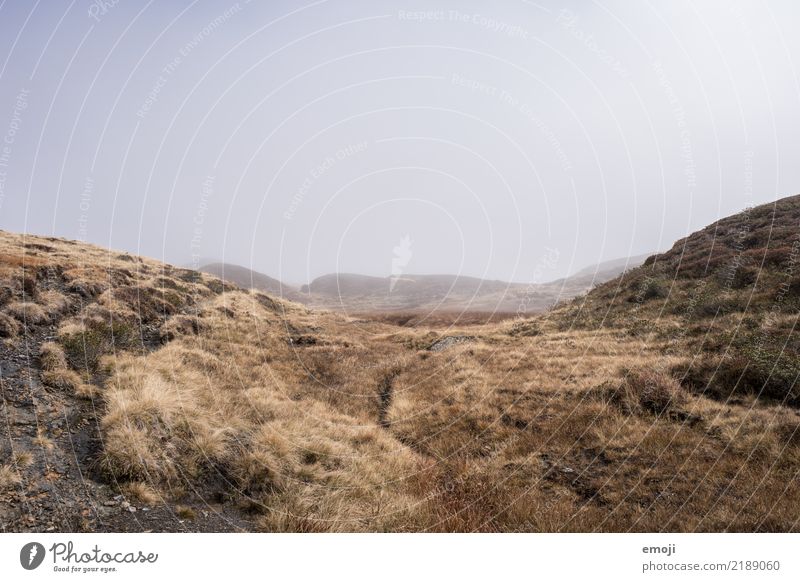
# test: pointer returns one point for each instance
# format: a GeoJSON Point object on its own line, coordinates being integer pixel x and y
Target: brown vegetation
{"type": "Point", "coordinates": [665, 400]}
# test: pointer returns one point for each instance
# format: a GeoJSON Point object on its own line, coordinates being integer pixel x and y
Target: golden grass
{"type": "Point", "coordinates": [141, 493]}
{"type": "Point", "coordinates": [27, 312]}
{"type": "Point", "coordinates": [22, 459]}
{"type": "Point", "coordinates": [51, 357]}
{"type": "Point", "coordinates": [9, 327]}
{"type": "Point", "coordinates": [310, 421]}
{"type": "Point", "coordinates": [184, 512]}
{"type": "Point", "coordinates": [9, 477]}
{"type": "Point", "coordinates": [43, 441]}
{"type": "Point", "coordinates": [355, 429]}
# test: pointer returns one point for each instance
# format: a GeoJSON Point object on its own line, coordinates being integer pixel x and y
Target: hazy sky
{"type": "Point", "coordinates": [300, 138]}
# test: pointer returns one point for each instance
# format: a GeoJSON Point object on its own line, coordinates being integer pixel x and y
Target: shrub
{"type": "Point", "coordinates": [788, 432]}
{"type": "Point", "coordinates": [654, 289]}
{"type": "Point", "coordinates": [743, 277]}
{"type": "Point", "coordinates": [84, 347]}
{"type": "Point", "coordinates": [718, 305]}
{"type": "Point", "coordinates": [768, 372]}
{"type": "Point", "coordinates": [794, 286]}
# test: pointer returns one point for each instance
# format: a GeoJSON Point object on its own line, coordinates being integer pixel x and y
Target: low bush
{"type": "Point", "coordinates": [85, 346]}
{"type": "Point", "coordinates": [647, 390]}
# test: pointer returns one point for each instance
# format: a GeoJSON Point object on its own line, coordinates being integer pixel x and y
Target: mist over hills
{"type": "Point", "coordinates": [409, 292]}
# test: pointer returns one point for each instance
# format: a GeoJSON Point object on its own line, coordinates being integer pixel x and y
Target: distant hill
{"type": "Point", "coordinates": [249, 279]}
{"type": "Point", "coordinates": [360, 293]}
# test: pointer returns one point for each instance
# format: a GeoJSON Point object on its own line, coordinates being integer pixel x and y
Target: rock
{"type": "Point", "coordinates": [448, 341]}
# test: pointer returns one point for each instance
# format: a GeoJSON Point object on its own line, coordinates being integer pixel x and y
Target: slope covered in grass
{"type": "Point", "coordinates": [728, 296]}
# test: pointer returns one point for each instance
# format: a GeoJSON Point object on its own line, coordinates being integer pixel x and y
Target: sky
{"type": "Point", "coordinates": [509, 140]}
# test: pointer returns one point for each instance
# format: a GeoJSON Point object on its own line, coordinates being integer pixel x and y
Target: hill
{"type": "Point", "coordinates": [142, 397]}
{"type": "Point", "coordinates": [729, 294]}
{"type": "Point", "coordinates": [249, 279]}
{"type": "Point", "coordinates": [452, 293]}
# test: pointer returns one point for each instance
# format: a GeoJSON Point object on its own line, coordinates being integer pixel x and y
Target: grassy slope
{"type": "Point", "coordinates": [727, 296]}
{"type": "Point", "coordinates": [312, 421]}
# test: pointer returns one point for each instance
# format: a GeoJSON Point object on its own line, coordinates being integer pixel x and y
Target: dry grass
{"type": "Point", "coordinates": [354, 428]}
{"type": "Point", "coordinates": [310, 421]}
{"type": "Point", "coordinates": [141, 493]}
{"type": "Point", "coordinates": [22, 459]}
{"type": "Point", "coordinates": [9, 327]}
{"type": "Point", "coordinates": [54, 303]}
{"type": "Point", "coordinates": [27, 312]}
{"type": "Point", "coordinates": [51, 357]}
{"type": "Point", "coordinates": [9, 477]}
{"type": "Point", "coordinates": [184, 512]}
{"type": "Point", "coordinates": [43, 441]}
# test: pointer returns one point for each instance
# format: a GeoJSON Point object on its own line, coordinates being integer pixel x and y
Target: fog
{"type": "Point", "coordinates": [384, 138]}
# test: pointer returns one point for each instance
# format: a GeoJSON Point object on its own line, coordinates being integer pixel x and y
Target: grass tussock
{"type": "Point", "coordinates": [140, 493]}
{"type": "Point", "coordinates": [9, 477]}
{"type": "Point", "coordinates": [651, 391]}
{"type": "Point", "coordinates": [9, 326]}
{"type": "Point", "coordinates": [22, 459]}
{"type": "Point", "coordinates": [27, 312]}
{"type": "Point", "coordinates": [51, 357]}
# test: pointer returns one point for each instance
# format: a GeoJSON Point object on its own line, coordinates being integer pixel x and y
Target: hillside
{"type": "Point", "coordinates": [249, 279]}
{"type": "Point", "coordinates": [142, 397]}
{"type": "Point", "coordinates": [728, 294]}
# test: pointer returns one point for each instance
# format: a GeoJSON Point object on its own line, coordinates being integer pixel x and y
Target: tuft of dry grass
{"type": "Point", "coordinates": [185, 512]}
{"type": "Point", "coordinates": [27, 312]}
{"type": "Point", "coordinates": [9, 477]}
{"type": "Point", "coordinates": [22, 459]}
{"type": "Point", "coordinates": [51, 357]}
{"type": "Point", "coordinates": [9, 327]}
{"type": "Point", "coordinates": [140, 492]}
{"type": "Point", "coordinates": [87, 391]}
{"type": "Point", "coordinates": [62, 379]}
{"type": "Point", "coordinates": [54, 303]}
{"type": "Point", "coordinates": [655, 392]}
{"type": "Point", "coordinates": [43, 441]}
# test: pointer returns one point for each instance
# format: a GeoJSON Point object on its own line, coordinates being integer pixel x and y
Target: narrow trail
{"type": "Point", "coordinates": [385, 394]}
